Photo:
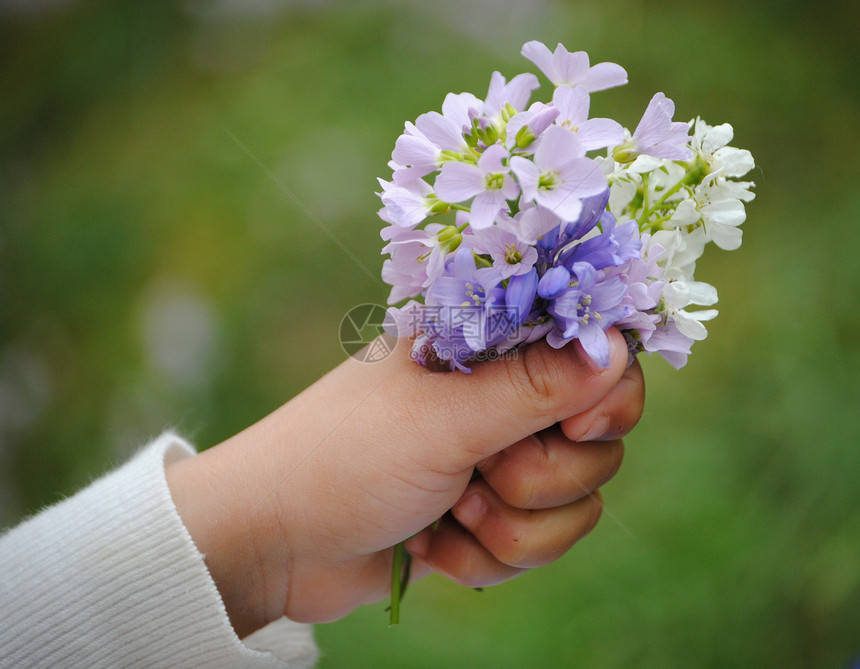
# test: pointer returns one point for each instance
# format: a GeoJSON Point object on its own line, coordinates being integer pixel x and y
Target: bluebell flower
{"type": "Point", "coordinates": [586, 309]}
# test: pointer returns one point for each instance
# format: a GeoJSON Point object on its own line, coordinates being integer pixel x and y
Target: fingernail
{"type": "Point", "coordinates": [593, 366]}
{"type": "Point", "coordinates": [598, 429]}
{"type": "Point", "coordinates": [470, 510]}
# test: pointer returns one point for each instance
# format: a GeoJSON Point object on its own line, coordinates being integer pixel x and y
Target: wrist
{"type": "Point", "coordinates": [212, 501]}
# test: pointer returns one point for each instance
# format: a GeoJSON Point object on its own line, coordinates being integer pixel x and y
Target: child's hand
{"type": "Point", "coordinates": [297, 514]}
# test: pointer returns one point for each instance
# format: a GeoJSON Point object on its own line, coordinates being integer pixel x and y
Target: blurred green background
{"type": "Point", "coordinates": [178, 184]}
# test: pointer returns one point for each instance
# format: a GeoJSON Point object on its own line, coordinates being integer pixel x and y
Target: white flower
{"type": "Point", "coordinates": [717, 205]}
{"type": "Point", "coordinates": [710, 143]}
{"type": "Point", "coordinates": [680, 294]}
{"type": "Point", "coordinates": [683, 249]}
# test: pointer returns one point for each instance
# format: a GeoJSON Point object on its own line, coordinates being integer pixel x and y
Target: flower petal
{"type": "Point", "coordinates": [458, 182]}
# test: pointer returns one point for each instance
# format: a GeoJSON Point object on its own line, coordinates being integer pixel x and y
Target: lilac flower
{"type": "Point", "coordinates": [461, 108]}
{"type": "Point", "coordinates": [515, 92]}
{"type": "Point", "coordinates": [524, 128]}
{"type": "Point", "coordinates": [669, 342]}
{"type": "Point", "coordinates": [643, 277]}
{"type": "Point", "coordinates": [414, 155]}
{"type": "Point", "coordinates": [560, 175]}
{"type": "Point", "coordinates": [573, 69]}
{"type": "Point", "coordinates": [530, 331]}
{"type": "Point", "coordinates": [419, 150]}
{"type": "Point", "coordinates": [442, 132]}
{"type": "Point", "coordinates": [534, 223]}
{"type": "Point", "coordinates": [657, 135]}
{"type": "Point", "coordinates": [405, 321]}
{"type": "Point", "coordinates": [416, 259]}
{"type": "Point", "coordinates": [531, 248]}
{"type": "Point", "coordinates": [594, 133]}
{"type": "Point", "coordinates": [406, 205]}
{"type": "Point", "coordinates": [510, 255]}
{"type": "Point", "coordinates": [489, 183]}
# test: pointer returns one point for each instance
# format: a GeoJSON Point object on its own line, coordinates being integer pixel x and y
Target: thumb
{"type": "Point", "coordinates": [459, 419]}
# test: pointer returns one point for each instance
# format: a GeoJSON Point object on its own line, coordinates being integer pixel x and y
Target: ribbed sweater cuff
{"type": "Point", "coordinates": [111, 577]}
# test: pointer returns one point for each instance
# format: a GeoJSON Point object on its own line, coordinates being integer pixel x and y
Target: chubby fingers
{"type": "Point", "coordinates": [485, 541]}
{"type": "Point", "coordinates": [569, 460]}
{"type": "Point", "coordinates": [616, 413]}
{"type": "Point", "coordinates": [547, 470]}
{"type": "Point", "coordinates": [537, 497]}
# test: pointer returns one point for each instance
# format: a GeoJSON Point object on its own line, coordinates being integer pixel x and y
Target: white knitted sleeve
{"type": "Point", "coordinates": [111, 578]}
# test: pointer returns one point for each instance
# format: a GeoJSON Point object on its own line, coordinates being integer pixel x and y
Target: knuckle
{"type": "Point", "coordinates": [595, 510]}
{"type": "Point", "coordinates": [614, 456]}
{"type": "Point", "coordinates": [635, 404]}
{"type": "Point", "coordinates": [517, 474]}
{"type": "Point", "coordinates": [522, 494]}
{"type": "Point", "coordinates": [522, 488]}
{"type": "Point", "coordinates": [537, 380]}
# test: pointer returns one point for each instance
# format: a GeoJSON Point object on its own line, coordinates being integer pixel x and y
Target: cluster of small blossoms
{"type": "Point", "coordinates": [512, 222]}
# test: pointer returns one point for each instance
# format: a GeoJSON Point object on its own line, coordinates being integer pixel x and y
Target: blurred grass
{"type": "Point", "coordinates": [195, 154]}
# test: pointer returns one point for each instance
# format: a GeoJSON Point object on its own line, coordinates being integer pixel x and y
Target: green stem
{"type": "Point", "coordinates": [645, 204]}
{"type": "Point", "coordinates": [400, 567]}
{"type": "Point", "coordinates": [648, 210]}
{"type": "Point", "coordinates": [666, 195]}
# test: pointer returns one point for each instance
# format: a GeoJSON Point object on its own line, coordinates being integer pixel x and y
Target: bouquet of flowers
{"type": "Point", "coordinates": [510, 223]}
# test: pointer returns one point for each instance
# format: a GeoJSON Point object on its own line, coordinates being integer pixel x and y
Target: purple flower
{"type": "Point", "coordinates": [613, 247]}
{"type": "Point", "coordinates": [404, 321]}
{"type": "Point", "coordinates": [669, 342]}
{"type": "Point", "coordinates": [594, 133]}
{"type": "Point", "coordinates": [530, 224]}
{"type": "Point", "coordinates": [524, 128]}
{"type": "Point", "coordinates": [643, 277]}
{"type": "Point", "coordinates": [461, 108]}
{"type": "Point", "coordinates": [466, 295]}
{"type": "Point", "coordinates": [510, 255]}
{"type": "Point", "coordinates": [573, 69]}
{"type": "Point", "coordinates": [585, 309]}
{"type": "Point", "coordinates": [560, 175]}
{"type": "Point", "coordinates": [520, 295]}
{"type": "Point", "coordinates": [505, 232]}
{"type": "Point", "coordinates": [442, 131]}
{"type": "Point", "coordinates": [489, 182]}
{"type": "Point", "coordinates": [416, 259]}
{"type": "Point", "coordinates": [561, 237]}
{"type": "Point", "coordinates": [657, 135]}
{"type": "Point", "coordinates": [414, 155]}
{"type": "Point", "coordinates": [515, 92]}
{"type": "Point", "coordinates": [418, 151]}
{"type": "Point", "coordinates": [465, 312]}
{"type": "Point", "coordinates": [406, 205]}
